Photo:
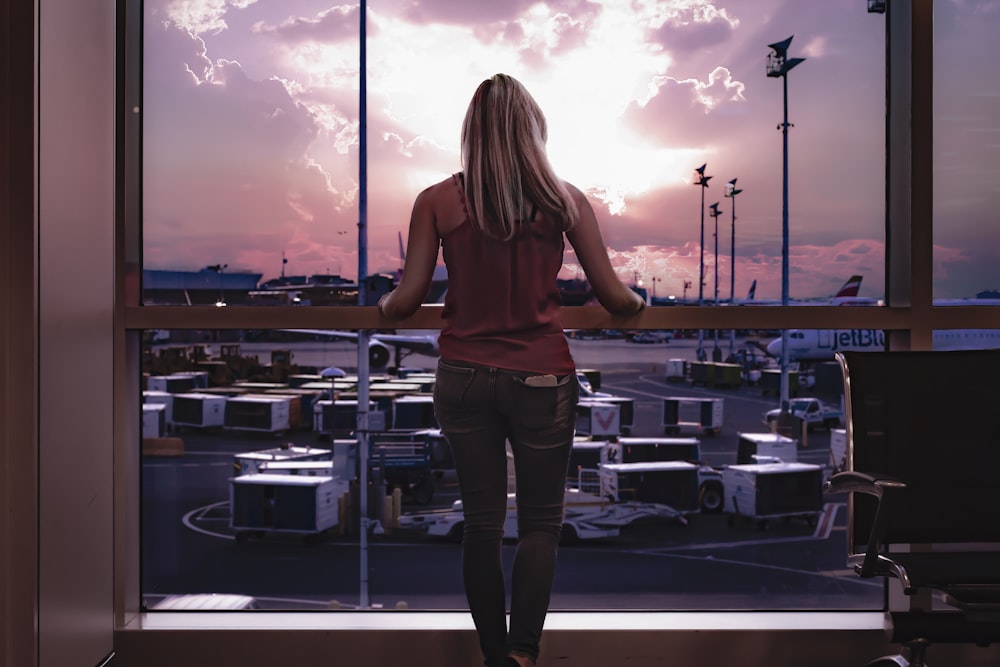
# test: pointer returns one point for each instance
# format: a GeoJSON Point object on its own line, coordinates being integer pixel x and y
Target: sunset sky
{"type": "Point", "coordinates": [250, 139]}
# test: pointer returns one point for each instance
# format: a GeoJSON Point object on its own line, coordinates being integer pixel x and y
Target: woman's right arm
{"type": "Point", "coordinates": [585, 236]}
{"type": "Point", "coordinates": [421, 257]}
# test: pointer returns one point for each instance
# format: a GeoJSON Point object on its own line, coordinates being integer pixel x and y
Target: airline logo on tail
{"type": "Point", "coordinates": [850, 288]}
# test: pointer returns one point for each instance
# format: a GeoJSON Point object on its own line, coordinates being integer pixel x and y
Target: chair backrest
{"type": "Point", "coordinates": [931, 419]}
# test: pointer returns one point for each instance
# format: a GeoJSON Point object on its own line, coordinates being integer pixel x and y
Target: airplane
{"type": "Point", "coordinates": [813, 345]}
{"type": "Point", "coordinates": [847, 295]}
{"type": "Point", "coordinates": [385, 347]}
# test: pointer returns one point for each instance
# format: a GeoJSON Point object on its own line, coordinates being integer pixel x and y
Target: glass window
{"type": "Point", "coordinates": [251, 197]}
{"type": "Point", "coordinates": [966, 153]}
{"type": "Point", "coordinates": [683, 482]}
{"type": "Point", "coordinates": [251, 138]}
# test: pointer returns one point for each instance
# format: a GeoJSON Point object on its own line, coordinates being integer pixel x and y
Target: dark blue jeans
{"type": "Point", "coordinates": [480, 409]}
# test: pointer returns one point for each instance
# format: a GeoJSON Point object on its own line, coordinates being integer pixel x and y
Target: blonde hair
{"type": "Point", "coordinates": [507, 170]}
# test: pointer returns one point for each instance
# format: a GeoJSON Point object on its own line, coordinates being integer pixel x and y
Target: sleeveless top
{"type": "Point", "coordinates": [501, 308]}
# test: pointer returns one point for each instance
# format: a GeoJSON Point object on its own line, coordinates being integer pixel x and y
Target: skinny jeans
{"type": "Point", "coordinates": [480, 409]}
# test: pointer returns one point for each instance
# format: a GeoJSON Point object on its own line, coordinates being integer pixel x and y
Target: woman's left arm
{"type": "Point", "coordinates": [421, 258]}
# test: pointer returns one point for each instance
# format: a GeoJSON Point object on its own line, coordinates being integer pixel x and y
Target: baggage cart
{"type": "Point", "coordinates": [753, 447]}
{"type": "Point", "coordinates": [251, 462]}
{"type": "Point", "coordinates": [671, 483]}
{"type": "Point", "coordinates": [595, 417]}
{"type": "Point", "coordinates": [765, 491]}
{"type": "Point", "coordinates": [263, 503]}
{"type": "Point", "coordinates": [676, 370]}
{"type": "Point", "coordinates": [692, 415]}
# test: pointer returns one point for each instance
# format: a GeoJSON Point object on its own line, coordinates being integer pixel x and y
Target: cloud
{"type": "Point", "coordinates": [689, 112]}
{"type": "Point", "coordinates": [202, 16]}
{"type": "Point", "coordinates": [693, 27]}
{"type": "Point", "coordinates": [257, 181]}
{"type": "Point", "coordinates": [337, 24]}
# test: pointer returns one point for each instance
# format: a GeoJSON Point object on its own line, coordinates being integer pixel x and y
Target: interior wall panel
{"type": "Point", "coordinates": [76, 293]}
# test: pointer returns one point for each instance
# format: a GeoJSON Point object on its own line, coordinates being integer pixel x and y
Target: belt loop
{"type": "Point", "coordinates": [493, 380]}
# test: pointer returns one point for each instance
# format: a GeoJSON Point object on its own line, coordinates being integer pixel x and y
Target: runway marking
{"type": "Point", "coordinates": [825, 524]}
{"type": "Point", "coordinates": [197, 513]}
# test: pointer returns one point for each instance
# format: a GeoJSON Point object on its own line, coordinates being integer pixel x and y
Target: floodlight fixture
{"type": "Point", "coordinates": [778, 62]}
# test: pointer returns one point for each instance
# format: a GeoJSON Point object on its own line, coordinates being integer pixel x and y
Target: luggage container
{"type": "Point", "coordinates": [154, 420]}
{"type": "Point", "coordinates": [637, 450]}
{"type": "Point", "coordinates": [675, 370]}
{"type": "Point", "coordinates": [262, 503]}
{"type": "Point", "coordinates": [248, 463]}
{"type": "Point", "coordinates": [671, 483]}
{"type": "Point", "coordinates": [595, 417]}
{"type": "Point", "coordinates": [301, 416]}
{"type": "Point", "coordinates": [413, 411]}
{"type": "Point", "coordinates": [263, 414]}
{"type": "Point", "coordinates": [293, 467]}
{"type": "Point", "coordinates": [337, 418]}
{"type": "Point", "coordinates": [626, 411]}
{"type": "Point", "coordinates": [164, 398]}
{"type": "Point", "coordinates": [770, 445]}
{"type": "Point", "coordinates": [687, 414]}
{"type": "Point", "coordinates": [765, 491]}
{"type": "Point", "coordinates": [172, 384]}
{"type": "Point", "coordinates": [197, 410]}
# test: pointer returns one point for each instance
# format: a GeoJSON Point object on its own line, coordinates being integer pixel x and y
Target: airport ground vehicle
{"type": "Point", "coordinates": [588, 517]}
{"type": "Point", "coordinates": [634, 450]}
{"type": "Point", "coordinates": [814, 412]}
{"type": "Point", "coordinates": [304, 505]}
{"type": "Point", "coordinates": [765, 491]}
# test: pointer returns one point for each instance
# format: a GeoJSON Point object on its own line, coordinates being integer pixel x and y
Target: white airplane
{"type": "Point", "coordinates": [811, 345]}
{"type": "Point", "coordinates": [384, 347]}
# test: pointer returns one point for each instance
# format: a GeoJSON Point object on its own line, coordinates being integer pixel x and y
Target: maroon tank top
{"type": "Point", "coordinates": [502, 304]}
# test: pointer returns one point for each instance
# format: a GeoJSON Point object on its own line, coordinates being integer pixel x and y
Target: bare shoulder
{"type": "Point", "coordinates": [442, 201]}
{"type": "Point", "coordinates": [579, 197]}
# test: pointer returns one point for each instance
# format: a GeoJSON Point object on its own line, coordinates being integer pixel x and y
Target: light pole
{"type": "Point", "coordinates": [732, 191]}
{"type": "Point", "coordinates": [778, 65]}
{"type": "Point", "coordinates": [715, 213]}
{"type": "Point", "coordinates": [703, 182]}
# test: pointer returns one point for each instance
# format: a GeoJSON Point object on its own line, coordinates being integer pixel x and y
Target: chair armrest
{"type": "Point", "coordinates": [852, 481]}
{"type": "Point", "coordinates": [885, 488]}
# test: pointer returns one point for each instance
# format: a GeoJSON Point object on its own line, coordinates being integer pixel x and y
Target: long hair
{"type": "Point", "coordinates": [506, 167]}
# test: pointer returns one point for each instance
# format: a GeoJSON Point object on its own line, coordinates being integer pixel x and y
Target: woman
{"type": "Point", "coordinates": [506, 373]}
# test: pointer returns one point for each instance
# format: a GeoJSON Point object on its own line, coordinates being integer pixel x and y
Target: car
{"type": "Point", "coordinates": [648, 337]}
{"type": "Point", "coordinates": [814, 412]}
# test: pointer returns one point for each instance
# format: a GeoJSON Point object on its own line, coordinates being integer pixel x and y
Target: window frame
{"type": "Point", "coordinates": [909, 318]}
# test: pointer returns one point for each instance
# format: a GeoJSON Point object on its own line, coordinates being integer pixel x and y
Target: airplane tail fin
{"type": "Point", "coordinates": [850, 288]}
{"type": "Point", "coordinates": [752, 292]}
